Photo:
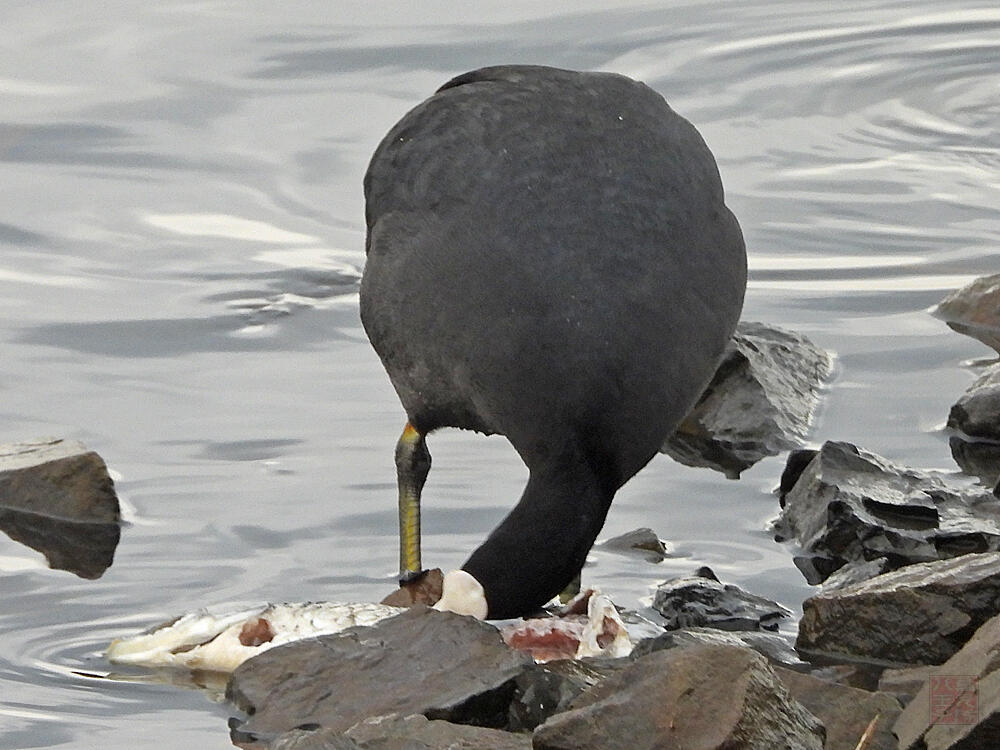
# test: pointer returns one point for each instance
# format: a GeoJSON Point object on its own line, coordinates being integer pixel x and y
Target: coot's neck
{"type": "Point", "coordinates": [538, 549]}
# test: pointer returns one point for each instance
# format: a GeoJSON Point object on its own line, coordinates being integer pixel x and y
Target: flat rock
{"type": "Point", "coordinates": [437, 664]}
{"type": "Point", "coordinates": [905, 682]}
{"type": "Point", "coordinates": [394, 732]}
{"type": "Point", "coordinates": [974, 310]}
{"type": "Point", "coordinates": [58, 498]}
{"type": "Point", "coordinates": [760, 402]}
{"type": "Point", "coordinates": [697, 697]}
{"type": "Point", "coordinates": [849, 505]}
{"type": "Point", "coordinates": [977, 412]}
{"type": "Point", "coordinates": [702, 600]}
{"type": "Point", "coordinates": [776, 648]}
{"type": "Point", "coordinates": [920, 614]}
{"type": "Point", "coordinates": [958, 707]}
{"type": "Point", "coordinates": [845, 711]}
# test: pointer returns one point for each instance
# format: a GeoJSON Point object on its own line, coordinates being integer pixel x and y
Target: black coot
{"type": "Point", "coordinates": [550, 258]}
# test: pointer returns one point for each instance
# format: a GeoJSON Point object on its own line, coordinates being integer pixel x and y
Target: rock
{"type": "Point", "coordinates": [418, 733]}
{"type": "Point", "coordinates": [59, 479]}
{"type": "Point", "coordinates": [438, 664]}
{"type": "Point", "coordinates": [703, 601]}
{"type": "Point", "coordinates": [424, 590]}
{"type": "Point", "coordinates": [958, 706]}
{"type": "Point", "coordinates": [760, 402]}
{"type": "Point", "coordinates": [920, 614]}
{"type": "Point", "coordinates": [906, 682]}
{"type": "Point", "coordinates": [307, 739]}
{"type": "Point", "coordinates": [844, 711]}
{"type": "Point", "coordinates": [774, 647]}
{"type": "Point", "coordinates": [855, 572]}
{"type": "Point", "coordinates": [57, 497]}
{"type": "Point", "coordinates": [643, 541]}
{"type": "Point", "coordinates": [549, 688]}
{"type": "Point", "coordinates": [700, 697]}
{"type": "Point", "coordinates": [974, 310]}
{"type": "Point", "coordinates": [977, 412]}
{"type": "Point", "coordinates": [977, 458]}
{"type": "Point", "coordinates": [851, 505]}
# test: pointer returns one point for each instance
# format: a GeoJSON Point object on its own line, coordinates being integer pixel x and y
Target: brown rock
{"type": "Point", "coordinates": [920, 614]}
{"type": "Point", "coordinates": [844, 711]}
{"type": "Point", "coordinates": [59, 479]}
{"type": "Point", "coordinates": [424, 590]}
{"type": "Point", "coordinates": [697, 698]}
{"type": "Point", "coordinates": [958, 708]}
{"type": "Point", "coordinates": [905, 682]}
{"type": "Point", "coordinates": [974, 310]}
{"type": "Point", "coordinates": [56, 497]}
{"type": "Point", "coordinates": [394, 732]}
{"type": "Point", "coordinates": [438, 664]}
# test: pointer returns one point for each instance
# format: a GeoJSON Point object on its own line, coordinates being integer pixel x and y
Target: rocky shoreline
{"type": "Point", "coordinates": [898, 649]}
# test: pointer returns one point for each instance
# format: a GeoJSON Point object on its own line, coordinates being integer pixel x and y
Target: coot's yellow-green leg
{"type": "Point", "coordinates": [413, 462]}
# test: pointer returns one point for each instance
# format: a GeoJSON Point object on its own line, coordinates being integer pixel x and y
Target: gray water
{"type": "Point", "coordinates": [181, 234]}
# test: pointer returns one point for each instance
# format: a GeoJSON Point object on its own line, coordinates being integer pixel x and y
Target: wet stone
{"type": "Point", "coordinates": [845, 711]}
{"type": "Point", "coordinates": [59, 479]}
{"type": "Point", "coordinates": [977, 458]}
{"type": "Point", "coordinates": [849, 505]}
{"type": "Point", "coordinates": [644, 542]}
{"type": "Point", "coordinates": [702, 600]}
{"type": "Point", "coordinates": [974, 310]}
{"type": "Point", "coordinates": [958, 706]}
{"type": "Point", "coordinates": [58, 498]}
{"type": "Point", "coordinates": [920, 614]}
{"type": "Point", "coordinates": [977, 412]}
{"type": "Point", "coordinates": [701, 697]}
{"type": "Point", "coordinates": [760, 402]}
{"type": "Point", "coordinates": [776, 648]}
{"type": "Point", "coordinates": [437, 664]}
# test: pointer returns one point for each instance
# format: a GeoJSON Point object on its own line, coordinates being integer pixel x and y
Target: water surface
{"type": "Point", "coordinates": [181, 236]}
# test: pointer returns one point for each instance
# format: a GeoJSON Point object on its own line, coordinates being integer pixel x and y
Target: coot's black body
{"type": "Point", "coordinates": [549, 258]}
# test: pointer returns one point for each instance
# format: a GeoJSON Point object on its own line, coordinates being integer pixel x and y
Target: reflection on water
{"type": "Point", "coordinates": [86, 549]}
{"type": "Point", "coordinates": [180, 242]}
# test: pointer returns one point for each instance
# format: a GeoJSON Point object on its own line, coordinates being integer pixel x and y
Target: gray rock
{"type": "Point", "coordinates": [974, 310]}
{"type": "Point", "coordinates": [849, 505]}
{"type": "Point", "coordinates": [438, 664]}
{"type": "Point", "coordinates": [418, 733]}
{"type": "Point", "coordinates": [308, 739]}
{"type": "Point", "coordinates": [977, 412]}
{"type": "Point", "coordinates": [958, 707]}
{"type": "Point", "coordinates": [702, 600]}
{"type": "Point", "coordinates": [57, 497]}
{"type": "Point", "coordinates": [642, 541]}
{"type": "Point", "coordinates": [698, 697]}
{"type": "Point", "coordinates": [905, 682]}
{"type": "Point", "coordinates": [920, 614]}
{"type": "Point", "coordinates": [977, 458]}
{"type": "Point", "coordinates": [759, 403]}
{"type": "Point", "coordinates": [547, 689]}
{"type": "Point", "coordinates": [844, 711]}
{"type": "Point", "coordinates": [59, 479]}
{"type": "Point", "coordinates": [776, 648]}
